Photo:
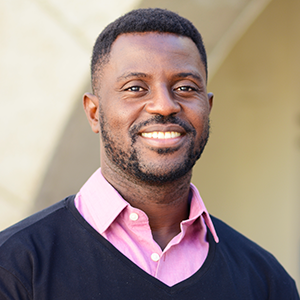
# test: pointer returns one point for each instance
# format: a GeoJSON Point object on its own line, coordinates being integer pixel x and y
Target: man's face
{"type": "Point", "coordinates": [153, 107]}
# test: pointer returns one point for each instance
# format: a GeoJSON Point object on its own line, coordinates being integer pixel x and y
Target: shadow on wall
{"type": "Point", "coordinates": [76, 157]}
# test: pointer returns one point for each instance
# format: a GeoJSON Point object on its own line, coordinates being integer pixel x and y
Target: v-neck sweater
{"type": "Point", "coordinates": [55, 254]}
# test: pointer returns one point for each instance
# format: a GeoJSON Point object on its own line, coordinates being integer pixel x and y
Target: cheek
{"type": "Point", "coordinates": [119, 117]}
{"type": "Point", "coordinates": [197, 115]}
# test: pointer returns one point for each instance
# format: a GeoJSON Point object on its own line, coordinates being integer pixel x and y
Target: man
{"type": "Point", "coordinates": [138, 229]}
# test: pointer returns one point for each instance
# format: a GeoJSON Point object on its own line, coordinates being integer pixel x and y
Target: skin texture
{"type": "Point", "coordinates": [152, 83]}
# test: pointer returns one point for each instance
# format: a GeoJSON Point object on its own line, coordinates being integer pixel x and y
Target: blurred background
{"type": "Point", "coordinates": [249, 174]}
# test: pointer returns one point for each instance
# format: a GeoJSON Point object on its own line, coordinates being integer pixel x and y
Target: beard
{"type": "Point", "coordinates": [129, 161]}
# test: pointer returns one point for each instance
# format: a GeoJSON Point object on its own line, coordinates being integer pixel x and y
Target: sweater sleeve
{"type": "Point", "coordinates": [11, 287]}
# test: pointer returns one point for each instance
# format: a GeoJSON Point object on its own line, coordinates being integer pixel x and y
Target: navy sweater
{"type": "Point", "coordinates": [55, 254]}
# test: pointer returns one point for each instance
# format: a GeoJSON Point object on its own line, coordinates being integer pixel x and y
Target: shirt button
{"type": "Point", "coordinates": [155, 257]}
{"type": "Point", "coordinates": [133, 216]}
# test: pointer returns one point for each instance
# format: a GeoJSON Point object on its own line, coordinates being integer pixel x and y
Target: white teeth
{"type": "Point", "coordinates": [167, 135]}
{"type": "Point", "coordinates": [161, 135]}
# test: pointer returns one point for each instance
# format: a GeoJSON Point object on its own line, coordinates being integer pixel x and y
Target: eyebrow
{"type": "Point", "coordinates": [190, 74]}
{"type": "Point", "coordinates": [132, 74]}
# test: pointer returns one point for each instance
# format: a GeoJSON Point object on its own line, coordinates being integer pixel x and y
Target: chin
{"type": "Point", "coordinates": [159, 174]}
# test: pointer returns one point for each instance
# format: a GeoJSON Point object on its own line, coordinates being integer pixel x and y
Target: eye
{"type": "Point", "coordinates": [186, 88]}
{"type": "Point", "coordinates": [135, 88]}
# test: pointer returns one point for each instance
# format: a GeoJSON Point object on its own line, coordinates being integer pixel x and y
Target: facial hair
{"type": "Point", "coordinates": [128, 161]}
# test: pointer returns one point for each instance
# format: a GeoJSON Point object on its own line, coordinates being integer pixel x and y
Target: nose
{"type": "Point", "coordinates": [162, 102]}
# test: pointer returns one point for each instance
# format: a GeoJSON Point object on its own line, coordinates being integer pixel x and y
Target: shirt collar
{"type": "Point", "coordinates": [91, 196]}
{"type": "Point", "coordinates": [101, 201]}
{"type": "Point", "coordinates": [198, 208]}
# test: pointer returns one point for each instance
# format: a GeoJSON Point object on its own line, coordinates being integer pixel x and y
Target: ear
{"type": "Point", "coordinates": [210, 97]}
{"type": "Point", "coordinates": [91, 107]}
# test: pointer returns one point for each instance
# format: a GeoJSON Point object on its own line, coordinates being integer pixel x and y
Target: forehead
{"type": "Point", "coordinates": [153, 51]}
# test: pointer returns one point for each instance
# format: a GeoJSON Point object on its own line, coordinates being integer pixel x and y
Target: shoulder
{"type": "Point", "coordinates": [40, 221]}
{"type": "Point", "coordinates": [36, 234]}
{"type": "Point", "coordinates": [26, 246]}
{"type": "Point", "coordinates": [239, 246]}
{"type": "Point", "coordinates": [248, 260]}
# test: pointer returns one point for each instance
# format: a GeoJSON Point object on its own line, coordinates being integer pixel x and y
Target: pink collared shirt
{"type": "Point", "coordinates": [127, 228]}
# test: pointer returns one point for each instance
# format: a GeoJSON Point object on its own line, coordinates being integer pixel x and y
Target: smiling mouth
{"type": "Point", "coordinates": [161, 135]}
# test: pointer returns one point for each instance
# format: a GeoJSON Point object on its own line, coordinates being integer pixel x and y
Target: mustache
{"type": "Point", "coordinates": [159, 119]}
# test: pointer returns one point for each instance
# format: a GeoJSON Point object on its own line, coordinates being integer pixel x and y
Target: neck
{"type": "Point", "coordinates": [166, 205]}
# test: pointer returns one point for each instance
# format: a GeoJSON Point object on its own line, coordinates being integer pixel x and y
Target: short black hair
{"type": "Point", "coordinates": [142, 20]}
